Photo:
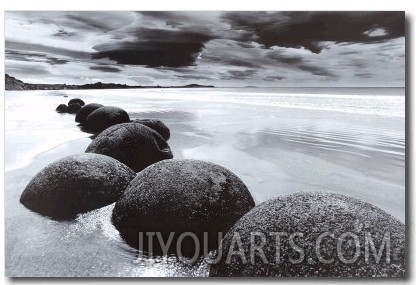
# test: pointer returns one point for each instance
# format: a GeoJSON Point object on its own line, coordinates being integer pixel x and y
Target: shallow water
{"type": "Point", "coordinates": [278, 141]}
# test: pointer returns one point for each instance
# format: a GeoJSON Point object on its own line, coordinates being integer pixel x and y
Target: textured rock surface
{"type": "Point", "coordinates": [313, 214]}
{"type": "Point", "coordinates": [82, 115]}
{"type": "Point", "coordinates": [156, 125]}
{"type": "Point", "coordinates": [76, 184]}
{"type": "Point", "coordinates": [61, 108]}
{"type": "Point", "coordinates": [181, 196]}
{"type": "Point", "coordinates": [105, 117]}
{"type": "Point", "coordinates": [73, 108]}
{"type": "Point", "coordinates": [135, 145]}
{"type": "Point", "coordinates": [76, 100]}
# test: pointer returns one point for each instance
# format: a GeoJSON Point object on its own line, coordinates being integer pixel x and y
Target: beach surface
{"type": "Point", "coordinates": [277, 140]}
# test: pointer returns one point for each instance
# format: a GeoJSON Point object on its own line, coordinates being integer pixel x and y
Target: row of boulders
{"type": "Point", "coordinates": [179, 196]}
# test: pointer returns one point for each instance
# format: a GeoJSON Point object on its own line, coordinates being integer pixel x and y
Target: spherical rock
{"type": "Point", "coordinates": [105, 117]}
{"type": "Point", "coordinates": [331, 233]}
{"type": "Point", "coordinates": [156, 125]}
{"type": "Point", "coordinates": [135, 145]}
{"type": "Point", "coordinates": [73, 108]}
{"type": "Point", "coordinates": [179, 196]}
{"type": "Point", "coordinates": [61, 108]}
{"type": "Point", "coordinates": [76, 184]}
{"type": "Point", "coordinates": [76, 100]}
{"type": "Point", "coordinates": [82, 115]}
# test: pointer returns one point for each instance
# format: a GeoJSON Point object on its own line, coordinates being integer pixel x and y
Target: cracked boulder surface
{"type": "Point", "coordinates": [348, 224]}
{"type": "Point", "coordinates": [76, 184]}
{"type": "Point", "coordinates": [179, 196]}
{"type": "Point", "coordinates": [135, 145]}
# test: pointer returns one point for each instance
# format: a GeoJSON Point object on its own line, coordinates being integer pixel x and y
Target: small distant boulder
{"type": "Point", "coordinates": [156, 125]}
{"type": "Point", "coordinates": [105, 117]}
{"type": "Point", "coordinates": [76, 100]}
{"type": "Point", "coordinates": [73, 108]}
{"type": "Point", "coordinates": [76, 184]}
{"type": "Point", "coordinates": [61, 108]}
{"type": "Point", "coordinates": [175, 197]}
{"type": "Point", "coordinates": [135, 145]}
{"type": "Point", "coordinates": [82, 115]}
{"type": "Point", "coordinates": [313, 234]}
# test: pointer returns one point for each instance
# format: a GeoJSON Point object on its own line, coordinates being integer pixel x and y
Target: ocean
{"type": "Point", "coordinates": [277, 140]}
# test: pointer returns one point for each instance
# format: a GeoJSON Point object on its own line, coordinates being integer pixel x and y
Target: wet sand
{"type": "Point", "coordinates": [274, 150]}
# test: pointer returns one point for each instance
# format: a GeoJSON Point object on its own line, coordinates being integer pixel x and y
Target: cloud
{"type": "Point", "coordinates": [310, 29]}
{"type": "Point", "coordinates": [105, 68]}
{"type": "Point", "coordinates": [63, 34]}
{"type": "Point", "coordinates": [239, 74]}
{"type": "Point", "coordinates": [34, 57]}
{"type": "Point", "coordinates": [273, 78]}
{"type": "Point", "coordinates": [155, 48]}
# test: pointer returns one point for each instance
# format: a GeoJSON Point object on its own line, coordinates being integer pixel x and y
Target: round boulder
{"type": "Point", "coordinates": [82, 115]}
{"type": "Point", "coordinates": [76, 184]}
{"type": "Point", "coordinates": [156, 125]}
{"type": "Point", "coordinates": [76, 100]}
{"type": "Point", "coordinates": [313, 235]}
{"type": "Point", "coordinates": [73, 108]}
{"type": "Point", "coordinates": [181, 198]}
{"type": "Point", "coordinates": [61, 108]}
{"type": "Point", "coordinates": [105, 117]}
{"type": "Point", "coordinates": [135, 145]}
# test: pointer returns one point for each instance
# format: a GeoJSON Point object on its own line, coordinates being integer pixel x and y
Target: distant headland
{"type": "Point", "coordinates": [16, 84]}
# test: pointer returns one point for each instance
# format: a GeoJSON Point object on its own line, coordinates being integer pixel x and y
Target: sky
{"type": "Point", "coordinates": [225, 49]}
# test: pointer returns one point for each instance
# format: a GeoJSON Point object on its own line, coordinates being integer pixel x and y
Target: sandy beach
{"type": "Point", "coordinates": [277, 141]}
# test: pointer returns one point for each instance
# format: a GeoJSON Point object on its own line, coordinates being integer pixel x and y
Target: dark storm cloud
{"type": "Point", "coordinates": [192, 76]}
{"type": "Point", "coordinates": [156, 48]}
{"type": "Point", "coordinates": [105, 68]}
{"type": "Point", "coordinates": [34, 57]}
{"type": "Point", "coordinates": [309, 29]}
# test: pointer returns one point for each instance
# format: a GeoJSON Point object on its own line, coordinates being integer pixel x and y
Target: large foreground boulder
{"type": "Point", "coordinates": [105, 117]}
{"type": "Point", "coordinates": [76, 184]}
{"type": "Point", "coordinates": [76, 100]}
{"type": "Point", "coordinates": [180, 196]}
{"type": "Point", "coordinates": [135, 145]}
{"type": "Point", "coordinates": [73, 108]}
{"type": "Point", "coordinates": [156, 125]}
{"type": "Point", "coordinates": [313, 235]}
{"type": "Point", "coordinates": [82, 115]}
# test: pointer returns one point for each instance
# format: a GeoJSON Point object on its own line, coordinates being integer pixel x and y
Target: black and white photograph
{"type": "Point", "coordinates": [205, 144]}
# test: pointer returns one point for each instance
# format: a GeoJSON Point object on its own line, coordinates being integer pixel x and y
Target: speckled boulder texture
{"type": "Point", "coordinates": [76, 100]}
{"type": "Point", "coordinates": [181, 196]}
{"type": "Point", "coordinates": [82, 115]}
{"type": "Point", "coordinates": [135, 145]}
{"type": "Point", "coordinates": [73, 108]}
{"type": "Point", "coordinates": [156, 125]}
{"type": "Point", "coordinates": [105, 117]}
{"type": "Point", "coordinates": [313, 214]}
{"type": "Point", "coordinates": [76, 184]}
{"type": "Point", "coordinates": [61, 108]}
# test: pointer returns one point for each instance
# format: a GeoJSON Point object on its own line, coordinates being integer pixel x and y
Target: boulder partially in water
{"type": "Point", "coordinates": [61, 108]}
{"type": "Point", "coordinates": [180, 196]}
{"type": "Point", "coordinates": [105, 117]}
{"type": "Point", "coordinates": [73, 108]}
{"type": "Point", "coordinates": [76, 100]}
{"type": "Point", "coordinates": [135, 145]}
{"type": "Point", "coordinates": [156, 125]}
{"type": "Point", "coordinates": [313, 235]}
{"type": "Point", "coordinates": [76, 184]}
{"type": "Point", "coordinates": [82, 115]}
